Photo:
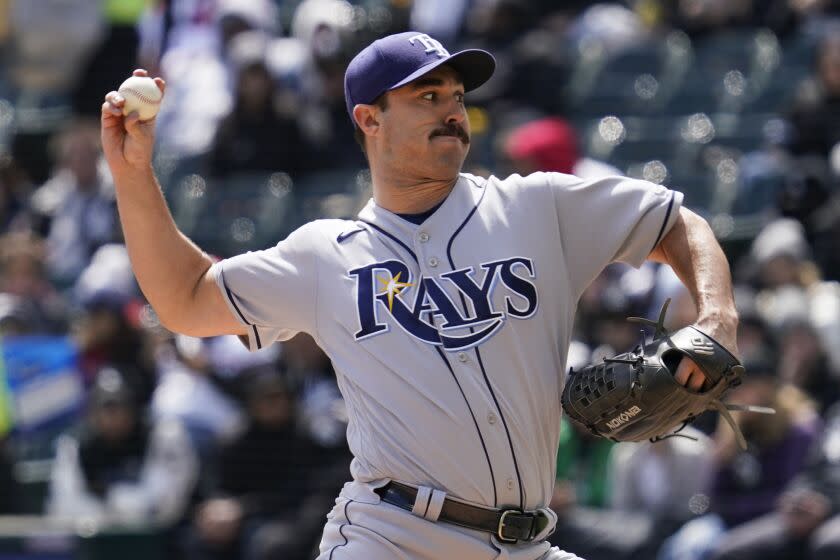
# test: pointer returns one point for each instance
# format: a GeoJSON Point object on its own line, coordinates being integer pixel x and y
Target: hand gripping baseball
{"type": "Point", "coordinates": [127, 142]}
{"type": "Point", "coordinates": [634, 396]}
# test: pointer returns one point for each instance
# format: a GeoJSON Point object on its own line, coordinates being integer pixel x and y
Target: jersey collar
{"type": "Point", "coordinates": [463, 198]}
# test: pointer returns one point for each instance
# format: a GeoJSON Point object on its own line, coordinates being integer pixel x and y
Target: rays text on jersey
{"type": "Point", "coordinates": [424, 310]}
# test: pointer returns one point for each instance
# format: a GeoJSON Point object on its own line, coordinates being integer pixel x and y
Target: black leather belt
{"type": "Point", "coordinates": [509, 525]}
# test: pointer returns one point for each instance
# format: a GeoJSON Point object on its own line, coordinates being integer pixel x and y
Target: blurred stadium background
{"type": "Point", "coordinates": [119, 438]}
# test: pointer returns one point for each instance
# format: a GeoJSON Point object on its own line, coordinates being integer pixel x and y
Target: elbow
{"type": "Point", "coordinates": [693, 221]}
{"type": "Point", "coordinates": [170, 321]}
{"type": "Point", "coordinates": [688, 227]}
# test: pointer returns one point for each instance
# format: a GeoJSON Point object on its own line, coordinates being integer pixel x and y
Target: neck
{"type": "Point", "coordinates": [402, 195]}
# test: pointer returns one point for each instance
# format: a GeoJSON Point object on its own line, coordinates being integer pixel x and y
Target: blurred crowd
{"type": "Point", "coordinates": [232, 454]}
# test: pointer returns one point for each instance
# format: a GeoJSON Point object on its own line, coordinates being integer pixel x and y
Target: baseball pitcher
{"type": "Point", "coordinates": [446, 306]}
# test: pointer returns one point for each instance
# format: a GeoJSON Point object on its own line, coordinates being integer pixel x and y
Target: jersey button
{"type": "Point", "coordinates": [433, 262]}
{"type": "Point", "coordinates": [424, 237]}
{"type": "Point", "coordinates": [491, 418]}
{"type": "Point", "coordinates": [462, 357]}
{"type": "Point", "coordinates": [510, 484]}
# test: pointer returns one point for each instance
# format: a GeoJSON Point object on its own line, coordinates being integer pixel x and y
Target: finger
{"type": "Point", "coordinates": [161, 84]}
{"type": "Point", "coordinates": [115, 99]}
{"type": "Point", "coordinates": [683, 372]}
{"type": "Point", "coordinates": [137, 128]}
{"type": "Point", "coordinates": [133, 124]}
{"type": "Point", "coordinates": [696, 380]}
{"type": "Point", "coordinates": [109, 110]}
{"type": "Point", "coordinates": [140, 72]}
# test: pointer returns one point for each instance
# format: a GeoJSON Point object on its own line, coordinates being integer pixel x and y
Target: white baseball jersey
{"type": "Point", "coordinates": [449, 338]}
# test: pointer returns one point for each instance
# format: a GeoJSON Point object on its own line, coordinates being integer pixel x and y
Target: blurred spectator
{"type": "Point", "coordinates": [826, 230]}
{"type": "Point", "coordinates": [442, 19]}
{"type": "Point", "coordinates": [805, 523]}
{"type": "Point", "coordinates": [611, 26]}
{"type": "Point", "coordinates": [756, 341]}
{"type": "Point", "coordinates": [15, 189]}
{"type": "Point", "coordinates": [77, 203]}
{"type": "Point", "coordinates": [804, 364]}
{"type": "Point", "coordinates": [322, 411]}
{"type": "Point", "coordinates": [585, 525]}
{"type": "Point", "coordinates": [781, 252]}
{"type": "Point", "coordinates": [193, 382]}
{"type": "Point", "coordinates": [551, 144]}
{"type": "Point", "coordinates": [121, 470]}
{"type": "Point", "coordinates": [272, 490]}
{"type": "Point", "coordinates": [702, 17]}
{"type": "Point", "coordinates": [107, 332]}
{"type": "Point", "coordinates": [113, 59]}
{"type": "Point", "coordinates": [666, 480]}
{"type": "Point", "coordinates": [18, 317]}
{"type": "Point", "coordinates": [255, 136]}
{"type": "Point", "coordinates": [109, 271]}
{"type": "Point", "coordinates": [532, 58]}
{"type": "Point", "coordinates": [49, 41]}
{"type": "Point", "coordinates": [190, 41]}
{"type": "Point", "coordinates": [816, 113]}
{"type": "Point", "coordinates": [746, 484]}
{"type": "Point", "coordinates": [23, 275]}
{"type": "Point", "coordinates": [323, 33]}
{"type": "Point", "coordinates": [793, 290]}
{"type": "Point", "coordinates": [10, 498]}
{"type": "Point", "coordinates": [620, 291]}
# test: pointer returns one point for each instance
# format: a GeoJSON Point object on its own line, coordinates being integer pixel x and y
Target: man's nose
{"type": "Point", "coordinates": [455, 113]}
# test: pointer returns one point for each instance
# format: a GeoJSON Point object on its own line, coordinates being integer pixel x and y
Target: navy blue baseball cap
{"type": "Point", "coordinates": [398, 59]}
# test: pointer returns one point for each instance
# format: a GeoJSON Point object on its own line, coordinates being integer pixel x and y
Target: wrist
{"type": "Point", "coordinates": [130, 175]}
{"type": "Point", "coordinates": [725, 317]}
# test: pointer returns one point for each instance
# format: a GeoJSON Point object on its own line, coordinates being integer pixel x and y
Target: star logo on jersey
{"type": "Point", "coordinates": [392, 287]}
{"type": "Point", "coordinates": [455, 310]}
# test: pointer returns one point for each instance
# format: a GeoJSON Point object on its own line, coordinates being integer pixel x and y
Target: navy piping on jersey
{"type": "Point", "coordinates": [481, 362]}
{"type": "Point", "coordinates": [665, 223]}
{"type": "Point", "coordinates": [477, 429]}
{"type": "Point", "coordinates": [341, 530]}
{"type": "Point", "coordinates": [253, 327]}
{"type": "Point", "coordinates": [394, 238]}
{"type": "Point", "coordinates": [451, 371]}
{"type": "Point", "coordinates": [469, 407]}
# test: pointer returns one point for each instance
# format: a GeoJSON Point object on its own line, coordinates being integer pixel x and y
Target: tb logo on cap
{"type": "Point", "coordinates": [432, 45]}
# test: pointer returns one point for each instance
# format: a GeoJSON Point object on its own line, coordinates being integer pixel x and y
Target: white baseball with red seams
{"type": "Point", "coordinates": [142, 95]}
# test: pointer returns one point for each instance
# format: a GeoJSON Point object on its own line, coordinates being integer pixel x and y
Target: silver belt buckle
{"type": "Point", "coordinates": [501, 528]}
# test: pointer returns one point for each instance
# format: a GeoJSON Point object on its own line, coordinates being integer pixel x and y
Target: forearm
{"type": "Point", "coordinates": [692, 251]}
{"type": "Point", "coordinates": [168, 266]}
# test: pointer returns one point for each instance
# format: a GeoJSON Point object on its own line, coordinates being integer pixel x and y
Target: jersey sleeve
{"type": "Point", "coordinates": [609, 219]}
{"type": "Point", "coordinates": [273, 292]}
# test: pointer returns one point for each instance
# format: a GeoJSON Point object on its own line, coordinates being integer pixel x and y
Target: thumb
{"type": "Point", "coordinates": [142, 131]}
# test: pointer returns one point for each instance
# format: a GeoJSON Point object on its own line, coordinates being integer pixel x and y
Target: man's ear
{"type": "Point", "coordinates": [366, 117]}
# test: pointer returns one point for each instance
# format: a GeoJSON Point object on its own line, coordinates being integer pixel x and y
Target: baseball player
{"type": "Point", "coordinates": [446, 306]}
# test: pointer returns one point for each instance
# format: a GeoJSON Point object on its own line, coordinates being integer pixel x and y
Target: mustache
{"type": "Point", "coordinates": [452, 129]}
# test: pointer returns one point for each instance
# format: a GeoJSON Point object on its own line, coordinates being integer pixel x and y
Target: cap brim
{"type": "Point", "coordinates": [474, 66]}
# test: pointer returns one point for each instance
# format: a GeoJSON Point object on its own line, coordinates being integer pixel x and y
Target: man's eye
{"type": "Point", "coordinates": [460, 97]}
{"type": "Point", "coordinates": [429, 96]}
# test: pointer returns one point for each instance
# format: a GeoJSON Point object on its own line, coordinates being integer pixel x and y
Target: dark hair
{"type": "Point", "coordinates": [382, 103]}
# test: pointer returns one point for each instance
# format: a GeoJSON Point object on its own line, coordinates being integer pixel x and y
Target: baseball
{"type": "Point", "coordinates": [142, 95]}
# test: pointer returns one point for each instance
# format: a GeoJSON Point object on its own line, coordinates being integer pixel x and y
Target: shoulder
{"type": "Point", "coordinates": [316, 232]}
{"type": "Point", "coordinates": [536, 180]}
{"type": "Point", "coordinates": [540, 187]}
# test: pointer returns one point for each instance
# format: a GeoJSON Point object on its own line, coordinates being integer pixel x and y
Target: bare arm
{"type": "Point", "coordinates": [171, 270]}
{"type": "Point", "coordinates": [690, 248]}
